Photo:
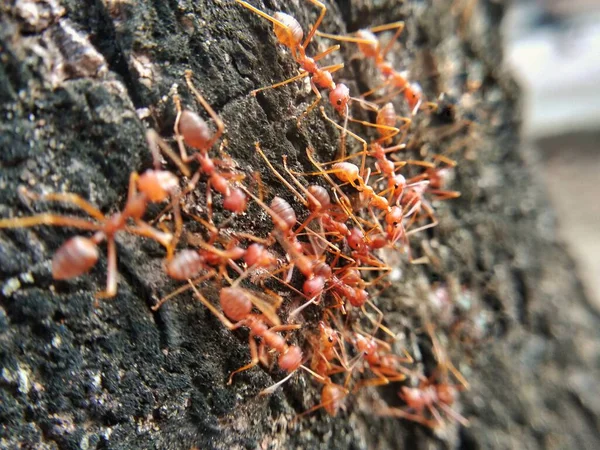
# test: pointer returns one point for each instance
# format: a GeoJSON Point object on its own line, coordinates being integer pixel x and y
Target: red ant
{"type": "Point", "coordinates": [193, 131]}
{"type": "Point", "coordinates": [431, 395]}
{"type": "Point", "coordinates": [237, 304]}
{"type": "Point", "coordinates": [188, 263]}
{"type": "Point", "coordinates": [412, 195]}
{"type": "Point", "coordinates": [386, 366]}
{"type": "Point", "coordinates": [349, 173]}
{"type": "Point", "coordinates": [316, 199]}
{"type": "Point", "coordinates": [79, 254]}
{"type": "Point", "coordinates": [370, 47]}
{"type": "Point", "coordinates": [289, 33]}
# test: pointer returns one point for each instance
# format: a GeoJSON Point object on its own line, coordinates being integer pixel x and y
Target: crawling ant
{"type": "Point", "coordinates": [189, 263]}
{"type": "Point", "coordinates": [433, 395]}
{"type": "Point", "coordinates": [237, 304]}
{"type": "Point", "coordinates": [289, 33]}
{"type": "Point", "coordinates": [190, 129]}
{"type": "Point", "coordinates": [370, 47]}
{"type": "Point", "coordinates": [79, 254]}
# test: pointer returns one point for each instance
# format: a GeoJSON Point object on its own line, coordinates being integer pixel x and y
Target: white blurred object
{"type": "Point", "coordinates": [558, 66]}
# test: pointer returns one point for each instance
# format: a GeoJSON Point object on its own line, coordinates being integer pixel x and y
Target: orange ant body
{"type": "Point", "coordinates": [289, 33]}
{"type": "Point", "coordinates": [192, 130]}
{"type": "Point", "coordinates": [431, 395]}
{"type": "Point", "coordinates": [237, 304]}
{"type": "Point", "coordinates": [370, 47]}
{"type": "Point", "coordinates": [79, 254]}
{"type": "Point", "coordinates": [385, 365]}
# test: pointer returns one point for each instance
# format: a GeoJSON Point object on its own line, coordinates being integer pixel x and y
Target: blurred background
{"type": "Point", "coordinates": [553, 50]}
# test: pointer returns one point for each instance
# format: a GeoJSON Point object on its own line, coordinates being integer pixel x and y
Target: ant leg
{"type": "Point", "coordinates": [157, 144]}
{"type": "Point", "coordinates": [49, 219]}
{"type": "Point", "coordinates": [263, 14]}
{"type": "Point", "coordinates": [342, 38]}
{"type": "Point", "coordinates": [436, 414]}
{"type": "Point", "coordinates": [254, 361]}
{"type": "Point", "coordinates": [181, 289]}
{"type": "Point", "coordinates": [326, 52]}
{"type": "Point", "coordinates": [312, 105]}
{"type": "Point", "coordinates": [286, 327]}
{"type": "Point", "coordinates": [178, 136]}
{"type": "Point", "coordinates": [207, 107]}
{"type": "Point", "coordinates": [381, 380]}
{"type": "Point", "coordinates": [281, 83]}
{"type": "Point", "coordinates": [398, 26]}
{"type": "Point", "coordinates": [278, 175]}
{"type": "Point", "coordinates": [343, 153]}
{"type": "Point", "coordinates": [456, 416]}
{"type": "Point", "coordinates": [111, 270]}
{"type": "Point", "coordinates": [224, 320]}
{"type": "Point", "coordinates": [431, 215]}
{"type": "Point", "coordinates": [209, 210]}
{"type": "Point", "coordinates": [444, 195]}
{"type": "Point", "coordinates": [66, 197]}
{"type": "Point", "coordinates": [442, 358]}
{"type": "Point", "coordinates": [268, 309]}
{"type": "Point", "coordinates": [314, 28]}
{"type": "Point", "coordinates": [377, 323]}
{"type": "Point", "coordinates": [144, 230]}
{"type": "Point", "coordinates": [178, 227]}
{"type": "Point", "coordinates": [401, 414]}
{"type": "Point", "coordinates": [449, 162]}
{"type": "Point", "coordinates": [274, 387]}
{"type": "Point", "coordinates": [375, 89]}
{"type": "Point", "coordinates": [390, 96]}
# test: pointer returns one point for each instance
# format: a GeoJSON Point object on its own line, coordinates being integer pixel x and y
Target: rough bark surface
{"type": "Point", "coordinates": [73, 77]}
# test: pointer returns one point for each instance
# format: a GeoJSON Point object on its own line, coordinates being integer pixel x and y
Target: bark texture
{"type": "Point", "coordinates": [74, 77]}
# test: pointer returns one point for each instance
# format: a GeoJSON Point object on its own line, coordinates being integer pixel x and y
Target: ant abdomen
{"type": "Point", "coordinates": [185, 265]}
{"type": "Point", "coordinates": [284, 211]}
{"type": "Point", "coordinates": [75, 257]}
{"type": "Point", "coordinates": [313, 286]}
{"type": "Point", "coordinates": [196, 133]}
{"type": "Point", "coordinates": [290, 359]}
{"type": "Point", "coordinates": [369, 48]}
{"type": "Point", "coordinates": [290, 36]}
{"type": "Point", "coordinates": [320, 194]}
{"type": "Point", "coordinates": [235, 303]}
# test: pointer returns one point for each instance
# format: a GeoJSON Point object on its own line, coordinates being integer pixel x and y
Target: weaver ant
{"type": "Point", "coordinates": [237, 305]}
{"type": "Point", "coordinates": [192, 130]}
{"type": "Point", "coordinates": [434, 394]}
{"type": "Point", "coordinates": [79, 254]}
{"type": "Point", "coordinates": [289, 33]}
{"type": "Point", "coordinates": [370, 47]}
{"type": "Point", "coordinates": [188, 263]}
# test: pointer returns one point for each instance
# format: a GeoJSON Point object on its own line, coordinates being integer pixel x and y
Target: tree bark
{"type": "Point", "coordinates": [75, 78]}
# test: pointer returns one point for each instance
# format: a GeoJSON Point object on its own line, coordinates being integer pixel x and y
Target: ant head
{"type": "Point", "coordinates": [414, 96]}
{"type": "Point", "coordinates": [339, 97]}
{"type": "Point", "coordinates": [328, 334]}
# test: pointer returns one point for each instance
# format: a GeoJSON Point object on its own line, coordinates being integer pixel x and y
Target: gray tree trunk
{"type": "Point", "coordinates": [73, 77]}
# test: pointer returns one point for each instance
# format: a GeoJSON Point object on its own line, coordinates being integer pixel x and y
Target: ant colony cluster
{"type": "Point", "coordinates": [358, 207]}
